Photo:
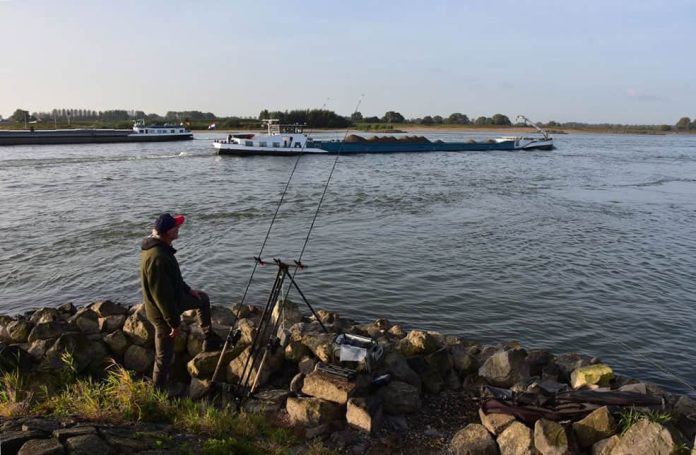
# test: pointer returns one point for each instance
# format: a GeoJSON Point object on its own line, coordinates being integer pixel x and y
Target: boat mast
{"type": "Point", "coordinates": [530, 123]}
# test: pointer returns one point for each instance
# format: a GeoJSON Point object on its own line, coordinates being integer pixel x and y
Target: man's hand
{"type": "Point", "coordinates": [195, 293]}
{"type": "Point", "coordinates": [174, 332]}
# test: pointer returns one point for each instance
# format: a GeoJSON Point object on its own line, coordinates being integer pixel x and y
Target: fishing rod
{"type": "Point", "coordinates": [246, 387]}
{"type": "Point", "coordinates": [234, 334]}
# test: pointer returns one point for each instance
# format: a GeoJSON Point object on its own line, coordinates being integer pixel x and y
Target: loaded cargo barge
{"type": "Point", "coordinates": [139, 133]}
{"type": "Point", "coordinates": [290, 140]}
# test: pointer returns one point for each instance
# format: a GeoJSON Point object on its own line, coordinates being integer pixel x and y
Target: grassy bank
{"type": "Point", "coordinates": [120, 399]}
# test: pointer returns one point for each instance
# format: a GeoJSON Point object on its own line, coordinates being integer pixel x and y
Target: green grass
{"type": "Point", "coordinates": [629, 417]}
{"type": "Point", "coordinates": [122, 398]}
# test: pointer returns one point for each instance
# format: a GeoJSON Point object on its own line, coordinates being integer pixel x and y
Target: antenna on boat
{"type": "Point", "coordinates": [530, 123]}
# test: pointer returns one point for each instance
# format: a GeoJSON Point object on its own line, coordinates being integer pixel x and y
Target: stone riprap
{"type": "Point", "coordinates": [416, 367]}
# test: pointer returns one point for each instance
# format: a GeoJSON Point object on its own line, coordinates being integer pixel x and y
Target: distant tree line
{"type": "Point", "coordinates": [316, 118]}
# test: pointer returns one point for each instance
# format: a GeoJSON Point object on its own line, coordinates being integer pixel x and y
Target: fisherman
{"type": "Point", "coordinates": [166, 295]}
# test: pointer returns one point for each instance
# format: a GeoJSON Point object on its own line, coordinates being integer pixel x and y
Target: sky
{"type": "Point", "coordinates": [586, 61]}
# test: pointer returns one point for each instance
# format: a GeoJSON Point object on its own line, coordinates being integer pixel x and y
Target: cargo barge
{"type": "Point", "coordinates": [139, 133]}
{"type": "Point", "coordinates": [290, 140]}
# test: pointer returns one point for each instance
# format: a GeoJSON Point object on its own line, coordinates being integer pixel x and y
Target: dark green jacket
{"type": "Point", "coordinates": [161, 282]}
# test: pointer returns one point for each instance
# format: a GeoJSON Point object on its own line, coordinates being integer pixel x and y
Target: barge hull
{"type": "Point", "coordinates": [82, 137]}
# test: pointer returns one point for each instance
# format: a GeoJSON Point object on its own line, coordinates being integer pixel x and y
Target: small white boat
{"type": "Point", "coordinates": [164, 132]}
{"type": "Point", "coordinates": [279, 140]}
{"type": "Point", "coordinates": [545, 142]}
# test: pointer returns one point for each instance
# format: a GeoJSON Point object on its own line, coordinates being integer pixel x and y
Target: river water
{"type": "Point", "coordinates": [588, 248]}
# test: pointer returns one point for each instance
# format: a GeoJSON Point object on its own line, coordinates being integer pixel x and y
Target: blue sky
{"type": "Point", "coordinates": [590, 61]}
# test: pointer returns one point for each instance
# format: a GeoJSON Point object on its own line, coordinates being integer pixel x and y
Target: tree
{"type": "Point", "coordinates": [683, 124]}
{"type": "Point", "coordinates": [427, 120]}
{"type": "Point", "coordinates": [438, 119]}
{"type": "Point", "coordinates": [356, 117]}
{"type": "Point", "coordinates": [393, 117]}
{"type": "Point", "coordinates": [373, 119]}
{"type": "Point", "coordinates": [481, 121]}
{"type": "Point", "coordinates": [20, 115]}
{"type": "Point", "coordinates": [500, 119]}
{"type": "Point", "coordinates": [458, 119]}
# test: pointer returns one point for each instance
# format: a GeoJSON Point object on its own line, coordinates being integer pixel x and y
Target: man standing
{"type": "Point", "coordinates": [166, 295]}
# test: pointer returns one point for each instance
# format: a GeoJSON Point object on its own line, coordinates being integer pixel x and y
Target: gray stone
{"type": "Point", "coordinates": [63, 434]}
{"type": "Point", "coordinates": [38, 349]}
{"type": "Point", "coordinates": [684, 416]}
{"type": "Point", "coordinates": [598, 374]}
{"type": "Point", "coordinates": [395, 364]}
{"type": "Point", "coordinates": [203, 365]}
{"type": "Point", "coordinates": [295, 351]}
{"type": "Point", "coordinates": [194, 341]}
{"type": "Point", "coordinates": [441, 361]}
{"type": "Point", "coordinates": [310, 411]}
{"type": "Point", "coordinates": [117, 342]}
{"type": "Point", "coordinates": [505, 368]}
{"type": "Point", "coordinates": [290, 312]}
{"type": "Point", "coordinates": [139, 330]}
{"type": "Point", "coordinates": [328, 387]}
{"type": "Point", "coordinates": [550, 438]}
{"type": "Point", "coordinates": [567, 362]}
{"type": "Point", "coordinates": [645, 437]}
{"type": "Point", "coordinates": [67, 309]}
{"type": "Point", "coordinates": [86, 320]}
{"type": "Point", "coordinates": [110, 323]}
{"type": "Point", "coordinates": [42, 447]}
{"type": "Point", "coordinates": [19, 330]}
{"type": "Point", "coordinates": [418, 342]}
{"type": "Point", "coordinates": [306, 365]}
{"type": "Point", "coordinates": [400, 398]}
{"type": "Point", "coordinates": [45, 315]}
{"type": "Point", "coordinates": [45, 331]}
{"type": "Point", "coordinates": [364, 414]}
{"type": "Point", "coordinates": [473, 439]}
{"type": "Point", "coordinates": [124, 441]}
{"type": "Point", "coordinates": [433, 382]}
{"type": "Point", "coordinates": [82, 350]}
{"type": "Point", "coordinates": [221, 315]}
{"type": "Point", "coordinates": [138, 358]}
{"type": "Point", "coordinates": [605, 446]}
{"type": "Point", "coordinates": [88, 444]}
{"type": "Point", "coordinates": [464, 361]}
{"type": "Point", "coordinates": [516, 439]}
{"type": "Point", "coordinates": [495, 423]}
{"type": "Point", "coordinates": [45, 425]}
{"type": "Point", "coordinates": [597, 425]}
{"type": "Point", "coordinates": [235, 369]}
{"type": "Point", "coordinates": [12, 441]}
{"type": "Point", "coordinates": [107, 308]}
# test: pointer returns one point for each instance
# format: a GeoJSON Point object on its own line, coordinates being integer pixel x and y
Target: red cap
{"type": "Point", "coordinates": [179, 219]}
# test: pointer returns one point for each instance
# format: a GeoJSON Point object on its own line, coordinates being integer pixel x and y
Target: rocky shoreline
{"type": "Point", "coordinates": [425, 393]}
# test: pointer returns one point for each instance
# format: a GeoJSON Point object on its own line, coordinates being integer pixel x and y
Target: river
{"type": "Point", "coordinates": [588, 248]}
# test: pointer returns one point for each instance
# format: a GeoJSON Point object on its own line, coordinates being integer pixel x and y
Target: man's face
{"type": "Point", "coordinates": [172, 234]}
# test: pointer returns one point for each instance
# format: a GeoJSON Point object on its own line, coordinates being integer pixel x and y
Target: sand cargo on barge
{"type": "Point", "coordinates": [139, 133]}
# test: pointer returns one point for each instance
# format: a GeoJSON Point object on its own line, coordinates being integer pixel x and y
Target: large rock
{"type": "Point", "coordinates": [86, 320]}
{"type": "Point", "coordinates": [495, 423]}
{"type": "Point", "coordinates": [113, 322]}
{"type": "Point", "coordinates": [364, 414]}
{"type": "Point", "coordinates": [590, 375]}
{"type": "Point", "coordinates": [516, 439]}
{"type": "Point", "coordinates": [605, 446]}
{"type": "Point", "coordinates": [329, 388]}
{"type": "Point", "coordinates": [418, 342]}
{"type": "Point", "coordinates": [645, 437]}
{"type": "Point", "coordinates": [464, 360]}
{"type": "Point", "coordinates": [138, 358]}
{"type": "Point", "coordinates": [139, 330]}
{"type": "Point", "coordinates": [19, 330]}
{"type": "Point", "coordinates": [597, 425]}
{"type": "Point", "coordinates": [312, 411]}
{"type": "Point", "coordinates": [684, 416]}
{"type": "Point", "coordinates": [505, 368]}
{"type": "Point", "coordinates": [550, 438]}
{"type": "Point", "coordinates": [290, 312]}
{"type": "Point", "coordinates": [567, 362]}
{"type": "Point", "coordinates": [400, 398]}
{"type": "Point", "coordinates": [117, 342]}
{"type": "Point", "coordinates": [235, 369]}
{"type": "Point", "coordinates": [107, 308]}
{"type": "Point", "coordinates": [12, 441]}
{"type": "Point", "coordinates": [89, 444]}
{"type": "Point", "coordinates": [396, 365]}
{"type": "Point", "coordinates": [441, 361]}
{"type": "Point", "coordinates": [42, 447]}
{"type": "Point", "coordinates": [45, 331]}
{"type": "Point", "coordinates": [45, 315]}
{"type": "Point", "coordinates": [320, 344]}
{"type": "Point", "coordinates": [295, 351]}
{"type": "Point", "coordinates": [473, 439]}
{"type": "Point", "coordinates": [79, 347]}
{"type": "Point", "coordinates": [203, 365]}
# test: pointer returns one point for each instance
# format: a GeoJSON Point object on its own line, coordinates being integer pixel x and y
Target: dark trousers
{"type": "Point", "coordinates": [164, 344]}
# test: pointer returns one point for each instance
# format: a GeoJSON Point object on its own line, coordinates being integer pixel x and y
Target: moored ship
{"type": "Point", "coordinates": [139, 133]}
